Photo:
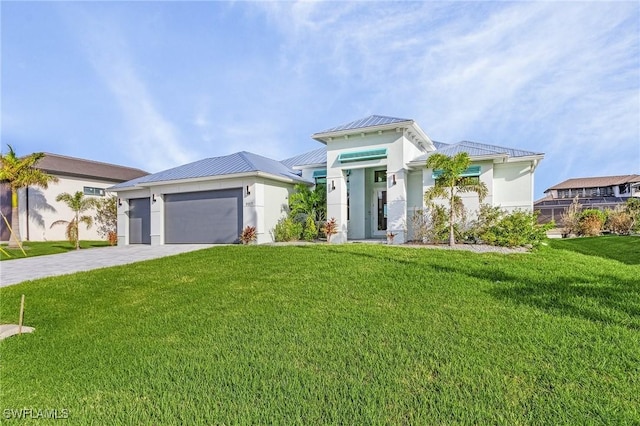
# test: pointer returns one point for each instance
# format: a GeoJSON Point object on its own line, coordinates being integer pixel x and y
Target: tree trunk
{"type": "Point", "coordinates": [15, 221]}
{"type": "Point", "coordinates": [77, 232]}
{"type": "Point", "coordinates": [452, 238]}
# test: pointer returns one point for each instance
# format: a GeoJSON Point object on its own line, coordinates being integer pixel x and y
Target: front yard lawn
{"type": "Point", "coordinates": [356, 334]}
{"type": "Point", "coordinates": [41, 248]}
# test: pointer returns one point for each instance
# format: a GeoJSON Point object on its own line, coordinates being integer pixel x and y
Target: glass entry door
{"type": "Point", "coordinates": [380, 212]}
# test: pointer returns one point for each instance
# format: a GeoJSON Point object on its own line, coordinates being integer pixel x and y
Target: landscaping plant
{"type": "Point", "coordinates": [592, 222]}
{"type": "Point", "coordinates": [310, 231]}
{"type": "Point", "coordinates": [287, 229]}
{"type": "Point", "coordinates": [330, 228]}
{"type": "Point", "coordinates": [571, 218]}
{"type": "Point", "coordinates": [619, 221]}
{"type": "Point", "coordinates": [249, 235]}
{"type": "Point", "coordinates": [106, 218]}
{"type": "Point", "coordinates": [449, 185]}
{"type": "Point", "coordinates": [18, 173]}
{"type": "Point", "coordinates": [79, 204]}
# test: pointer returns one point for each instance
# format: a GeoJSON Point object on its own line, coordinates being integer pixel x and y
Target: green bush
{"type": "Point", "coordinates": [487, 217]}
{"type": "Point", "coordinates": [592, 222]}
{"type": "Point", "coordinates": [632, 207]}
{"type": "Point", "coordinates": [310, 232]}
{"type": "Point", "coordinates": [438, 226]}
{"type": "Point", "coordinates": [287, 230]}
{"type": "Point", "coordinates": [516, 229]}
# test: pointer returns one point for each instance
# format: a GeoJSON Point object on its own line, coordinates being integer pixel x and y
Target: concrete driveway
{"type": "Point", "coordinates": [18, 270]}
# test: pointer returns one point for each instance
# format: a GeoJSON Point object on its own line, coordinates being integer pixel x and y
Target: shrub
{"type": "Point", "coordinates": [287, 230]}
{"type": "Point", "coordinates": [107, 217]}
{"type": "Point", "coordinates": [632, 207]}
{"type": "Point", "coordinates": [310, 232]}
{"type": "Point", "coordinates": [112, 237]}
{"type": "Point", "coordinates": [591, 222]}
{"type": "Point", "coordinates": [249, 235]}
{"type": "Point", "coordinates": [516, 229]}
{"type": "Point", "coordinates": [438, 230]}
{"type": "Point", "coordinates": [487, 217]}
{"type": "Point", "coordinates": [571, 219]}
{"type": "Point", "coordinates": [330, 228]}
{"type": "Point", "coordinates": [619, 221]}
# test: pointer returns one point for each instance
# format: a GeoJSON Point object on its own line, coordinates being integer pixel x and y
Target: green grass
{"type": "Point", "coordinates": [41, 248]}
{"type": "Point", "coordinates": [623, 249]}
{"type": "Point", "coordinates": [357, 334]}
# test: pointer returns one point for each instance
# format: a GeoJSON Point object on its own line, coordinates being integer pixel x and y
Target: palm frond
{"type": "Point", "coordinates": [59, 222]}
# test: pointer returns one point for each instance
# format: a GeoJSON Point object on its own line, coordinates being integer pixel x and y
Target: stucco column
{"type": "Point", "coordinates": [397, 204]}
{"type": "Point", "coordinates": [123, 221]}
{"type": "Point", "coordinates": [337, 203]}
{"type": "Point", "coordinates": [157, 218]}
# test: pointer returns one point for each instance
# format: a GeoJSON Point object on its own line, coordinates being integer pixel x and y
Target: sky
{"type": "Point", "coordinates": [154, 85]}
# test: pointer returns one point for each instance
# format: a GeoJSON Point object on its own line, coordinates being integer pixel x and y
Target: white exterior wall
{"type": "Point", "coordinates": [44, 209]}
{"type": "Point", "coordinates": [513, 186]}
{"type": "Point", "coordinates": [276, 207]}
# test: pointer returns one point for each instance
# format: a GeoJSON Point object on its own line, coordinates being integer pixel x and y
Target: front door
{"type": "Point", "coordinates": [380, 213]}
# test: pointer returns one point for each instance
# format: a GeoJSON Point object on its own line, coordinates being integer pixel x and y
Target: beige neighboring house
{"type": "Point", "coordinates": [38, 207]}
{"type": "Point", "coordinates": [601, 192]}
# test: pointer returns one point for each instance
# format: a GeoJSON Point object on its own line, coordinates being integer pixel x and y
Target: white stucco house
{"type": "Point", "coordinates": [374, 170]}
{"type": "Point", "coordinates": [38, 208]}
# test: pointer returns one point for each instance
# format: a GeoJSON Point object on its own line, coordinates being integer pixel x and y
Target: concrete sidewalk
{"type": "Point", "coordinates": [18, 270]}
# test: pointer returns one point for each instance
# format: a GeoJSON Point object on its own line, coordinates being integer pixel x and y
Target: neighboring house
{"type": "Point", "coordinates": [373, 168]}
{"type": "Point", "coordinates": [603, 192]}
{"type": "Point", "coordinates": [38, 207]}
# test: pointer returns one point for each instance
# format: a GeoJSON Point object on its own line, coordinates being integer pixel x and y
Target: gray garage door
{"type": "Point", "coordinates": [139, 221]}
{"type": "Point", "coordinates": [203, 217]}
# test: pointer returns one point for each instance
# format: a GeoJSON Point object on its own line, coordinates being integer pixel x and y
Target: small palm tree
{"type": "Point", "coordinates": [20, 173]}
{"type": "Point", "coordinates": [450, 183]}
{"type": "Point", "coordinates": [310, 202]}
{"type": "Point", "coordinates": [78, 204]}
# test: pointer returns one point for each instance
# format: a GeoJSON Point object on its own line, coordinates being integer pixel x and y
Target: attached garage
{"type": "Point", "coordinates": [203, 217]}
{"type": "Point", "coordinates": [139, 221]}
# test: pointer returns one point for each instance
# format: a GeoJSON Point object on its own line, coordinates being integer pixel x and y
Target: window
{"type": "Point", "coordinates": [624, 188]}
{"type": "Point", "coordinates": [380, 176]}
{"type": "Point", "coordinates": [89, 190]}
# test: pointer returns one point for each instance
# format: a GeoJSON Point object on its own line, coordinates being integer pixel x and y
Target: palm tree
{"type": "Point", "coordinates": [309, 202]}
{"type": "Point", "coordinates": [449, 184]}
{"type": "Point", "coordinates": [78, 204]}
{"type": "Point", "coordinates": [21, 173]}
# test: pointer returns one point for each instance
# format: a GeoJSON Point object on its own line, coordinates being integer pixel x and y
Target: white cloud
{"type": "Point", "coordinates": [150, 136]}
{"type": "Point", "coordinates": [560, 78]}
